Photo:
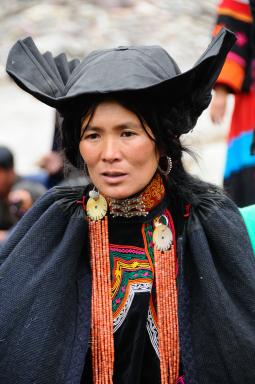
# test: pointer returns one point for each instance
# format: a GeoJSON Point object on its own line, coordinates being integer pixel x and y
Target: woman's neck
{"type": "Point", "coordinates": [141, 203]}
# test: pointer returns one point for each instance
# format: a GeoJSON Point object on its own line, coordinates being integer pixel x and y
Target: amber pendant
{"type": "Point", "coordinates": [162, 236]}
{"type": "Point", "coordinates": [96, 206]}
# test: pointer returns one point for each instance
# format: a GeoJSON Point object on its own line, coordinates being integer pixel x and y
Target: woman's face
{"type": "Point", "coordinates": [120, 156]}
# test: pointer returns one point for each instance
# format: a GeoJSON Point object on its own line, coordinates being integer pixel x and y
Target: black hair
{"type": "Point", "coordinates": [167, 124]}
{"type": "Point", "coordinates": [6, 158]}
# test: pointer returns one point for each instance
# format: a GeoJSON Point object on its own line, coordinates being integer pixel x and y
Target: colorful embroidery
{"type": "Point", "coordinates": [152, 330]}
{"type": "Point", "coordinates": [133, 289]}
{"type": "Point", "coordinates": [131, 273]}
{"type": "Point", "coordinates": [154, 193]}
{"type": "Point", "coordinates": [147, 232]}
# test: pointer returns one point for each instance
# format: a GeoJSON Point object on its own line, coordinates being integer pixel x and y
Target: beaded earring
{"type": "Point", "coordinates": [169, 167]}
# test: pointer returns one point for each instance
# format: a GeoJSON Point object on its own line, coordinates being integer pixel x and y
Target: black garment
{"type": "Point", "coordinates": [136, 358]}
{"type": "Point", "coordinates": [45, 294]}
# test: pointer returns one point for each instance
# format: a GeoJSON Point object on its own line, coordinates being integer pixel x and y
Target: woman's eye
{"type": "Point", "coordinates": [91, 136]}
{"type": "Point", "coordinates": [127, 134]}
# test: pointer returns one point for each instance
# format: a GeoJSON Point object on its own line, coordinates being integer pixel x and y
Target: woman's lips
{"type": "Point", "coordinates": [113, 177]}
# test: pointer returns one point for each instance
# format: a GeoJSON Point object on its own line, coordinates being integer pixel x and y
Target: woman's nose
{"type": "Point", "coordinates": [110, 150]}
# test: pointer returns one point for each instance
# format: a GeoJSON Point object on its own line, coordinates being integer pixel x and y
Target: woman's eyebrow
{"type": "Point", "coordinates": [123, 125]}
{"type": "Point", "coordinates": [128, 124]}
{"type": "Point", "coordinates": [92, 128]}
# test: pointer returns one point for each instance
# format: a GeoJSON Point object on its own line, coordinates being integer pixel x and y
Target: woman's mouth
{"type": "Point", "coordinates": [113, 176]}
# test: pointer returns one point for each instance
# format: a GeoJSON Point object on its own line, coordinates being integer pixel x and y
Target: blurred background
{"type": "Point", "coordinates": [182, 27]}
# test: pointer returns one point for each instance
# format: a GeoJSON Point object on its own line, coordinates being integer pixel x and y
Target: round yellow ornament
{"type": "Point", "coordinates": [96, 208]}
{"type": "Point", "coordinates": [162, 237]}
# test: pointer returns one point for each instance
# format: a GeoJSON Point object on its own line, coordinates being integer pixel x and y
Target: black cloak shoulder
{"type": "Point", "coordinates": [44, 274]}
{"type": "Point", "coordinates": [45, 294]}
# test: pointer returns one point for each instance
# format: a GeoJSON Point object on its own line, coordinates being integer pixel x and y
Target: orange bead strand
{"type": "Point", "coordinates": [102, 317]}
{"type": "Point", "coordinates": [168, 330]}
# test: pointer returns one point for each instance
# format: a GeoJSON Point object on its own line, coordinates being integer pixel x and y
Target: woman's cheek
{"type": "Point", "coordinates": [84, 151]}
{"type": "Point", "coordinates": [144, 152]}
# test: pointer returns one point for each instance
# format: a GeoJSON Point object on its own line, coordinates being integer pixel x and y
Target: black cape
{"type": "Point", "coordinates": [45, 293]}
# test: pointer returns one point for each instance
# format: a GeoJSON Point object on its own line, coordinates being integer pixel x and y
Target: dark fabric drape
{"type": "Point", "coordinates": [45, 293]}
{"type": "Point", "coordinates": [220, 268]}
{"type": "Point", "coordinates": [44, 277]}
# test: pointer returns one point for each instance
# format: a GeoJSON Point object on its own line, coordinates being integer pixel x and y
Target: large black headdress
{"type": "Point", "coordinates": [59, 82]}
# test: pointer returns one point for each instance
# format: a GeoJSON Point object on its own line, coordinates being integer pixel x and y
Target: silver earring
{"type": "Point", "coordinates": [169, 166]}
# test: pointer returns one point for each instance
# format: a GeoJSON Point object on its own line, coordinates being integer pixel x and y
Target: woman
{"type": "Point", "coordinates": [237, 77]}
{"type": "Point", "coordinates": [138, 277]}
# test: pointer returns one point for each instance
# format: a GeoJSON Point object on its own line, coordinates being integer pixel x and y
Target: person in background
{"type": "Point", "coordinates": [51, 163]}
{"type": "Point", "coordinates": [17, 194]}
{"type": "Point", "coordinates": [237, 77]}
{"type": "Point", "coordinates": [58, 170]}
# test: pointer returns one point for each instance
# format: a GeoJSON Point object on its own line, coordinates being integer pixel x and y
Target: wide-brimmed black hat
{"type": "Point", "coordinates": [58, 82]}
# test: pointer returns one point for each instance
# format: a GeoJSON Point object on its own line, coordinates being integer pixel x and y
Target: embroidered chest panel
{"type": "Point", "coordinates": [132, 273]}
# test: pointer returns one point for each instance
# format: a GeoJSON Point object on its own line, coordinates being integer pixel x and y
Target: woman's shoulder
{"type": "Point", "coordinates": [219, 218]}
{"type": "Point", "coordinates": [215, 200]}
{"type": "Point", "coordinates": [50, 215]}
{"type": "Point", "coordinates": [214, 208]}
{"type": "Point", "coordinates": [216, 220]}
{"type": "Point", "coordinates": [60, 191]}
{"type": "Point", "coordinates": [205, 197]}
{"type": "Point", "coordinates": [209, 206]}
{"type": "Point", "coordinates": [69, 199]}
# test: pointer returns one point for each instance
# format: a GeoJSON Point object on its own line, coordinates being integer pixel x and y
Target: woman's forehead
{"type": "Point", "coordinates": [111, 112]}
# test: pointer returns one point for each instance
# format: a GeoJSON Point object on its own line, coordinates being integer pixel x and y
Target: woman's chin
{"type": "Point", "coordinates": [117, 192]}
{"type": "Point", "coordinates": [118, 195]}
